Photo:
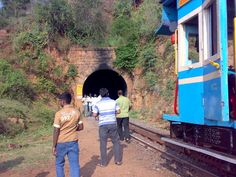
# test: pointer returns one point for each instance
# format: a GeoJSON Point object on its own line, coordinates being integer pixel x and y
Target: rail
{"type": "Point", "coordinates": [153, 138]}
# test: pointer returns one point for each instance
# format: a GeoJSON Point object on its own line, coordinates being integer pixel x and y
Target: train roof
{"type": "Point", "coordinates": [168, 2]}
{"type": "Point", "coordinates": [169, 18]}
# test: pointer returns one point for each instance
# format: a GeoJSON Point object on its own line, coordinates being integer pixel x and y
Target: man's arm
{"type": "Point", "coordinates": [95, 115]}
{"type": "Point", "coordinates": [56, 132]}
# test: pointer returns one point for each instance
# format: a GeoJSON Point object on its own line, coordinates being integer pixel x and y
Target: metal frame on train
{"type": "Point", "coordinates": [202, 30]}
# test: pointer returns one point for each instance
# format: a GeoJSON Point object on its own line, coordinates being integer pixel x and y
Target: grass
{"type": "Point", "coordinates": [149, 117]}
{"type": "Point", "coordinates": [35, 149]}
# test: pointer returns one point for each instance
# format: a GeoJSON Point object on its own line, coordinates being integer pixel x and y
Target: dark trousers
{"type": "Point", "coordinates": [105, 132]}
{"type": "Point", "coordinates": [123, 128]}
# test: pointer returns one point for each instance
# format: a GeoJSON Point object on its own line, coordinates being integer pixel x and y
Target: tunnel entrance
{"type": "Point", "coordinates": [104, 78]}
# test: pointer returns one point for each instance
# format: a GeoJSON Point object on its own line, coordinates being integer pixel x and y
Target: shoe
{"type": "Point", "coordinates": [101, 165]}
{"type": "Point", "coordinates": [118, 163]}
{"type": "Point", "coordinates": [127, 141]}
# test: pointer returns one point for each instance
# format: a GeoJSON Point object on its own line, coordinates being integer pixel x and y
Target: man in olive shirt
{"type": "Point", "coordinates": [65, 137]}
{"type": "Point", "coordinates": [123, 117]}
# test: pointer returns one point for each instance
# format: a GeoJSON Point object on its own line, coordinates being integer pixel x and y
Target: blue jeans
{"type": "Point", "coordinates": [71, 149]}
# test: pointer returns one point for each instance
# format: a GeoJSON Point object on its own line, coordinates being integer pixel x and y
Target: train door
{"type": "Point", "coordinates": [190, 68]}
{"type": "Point", "coordinates": [231, 27]}
{"type": "Point", "coordinates": [215, 68]}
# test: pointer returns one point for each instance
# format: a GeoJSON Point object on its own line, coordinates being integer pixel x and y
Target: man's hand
{"type": "Point", "coordinates": [97, 118]}
{"type": "Point", "coordinates": [54, 151]}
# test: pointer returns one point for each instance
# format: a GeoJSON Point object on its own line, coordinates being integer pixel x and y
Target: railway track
{"type": "Point", "coordinates": [197, 163]}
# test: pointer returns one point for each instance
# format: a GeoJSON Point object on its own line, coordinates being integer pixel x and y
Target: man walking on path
{"type": "Point", "coordinates": [123, 117]}
{"type": "Point", "coordinates": [65, 137]}
{"type": "Point", "coordinates": [107, 109]}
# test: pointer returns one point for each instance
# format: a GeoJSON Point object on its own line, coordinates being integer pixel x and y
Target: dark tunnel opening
{"type": "Point", "coordinates": [104, 79]}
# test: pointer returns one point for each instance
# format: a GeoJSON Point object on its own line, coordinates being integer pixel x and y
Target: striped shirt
{"type": "Point", "coordinates": [106, 108]}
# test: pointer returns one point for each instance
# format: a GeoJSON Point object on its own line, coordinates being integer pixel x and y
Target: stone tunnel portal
{"type": "Point", "coordinates": [104, 78]}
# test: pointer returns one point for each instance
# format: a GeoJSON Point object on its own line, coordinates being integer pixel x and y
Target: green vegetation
{"type": "Point", "coordinates": [126, 57]}
{"type": "Point", "coordinates": [72, 71]}
{"type": "Point", "coordinates": [14, 84]}
{"type": "Point", "coordinates": [14, 8]}
{"type": "Point", "coordinates": [16, 117]}
{"type": "Point", "coordinates": [59, 24]}
{"type": "Point", "coordinates": [45, 85]}
{"type": "Point", "coordinates": [132, 32]}
{"type": "Point", "coordinates": [81, 21]}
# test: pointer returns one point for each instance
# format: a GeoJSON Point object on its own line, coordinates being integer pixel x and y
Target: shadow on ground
{"type": "Point", "coordinates": [42, 174]}
{"type": "Point", "coordinates": [89, 168]}
{"type": "Point", "coordinates": [7, 165]}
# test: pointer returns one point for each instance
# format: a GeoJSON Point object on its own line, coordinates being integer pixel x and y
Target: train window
{"type": "Point", "coordinates": [210, 30]}
{"type": "Point", "coordinates": [230, 18]}
{"type": "Point", "coordinates": [193, 51]}
{"type": "Point", "coordinates": [213, 28]}
{"type": "Point", "coordinates": [191, 29]}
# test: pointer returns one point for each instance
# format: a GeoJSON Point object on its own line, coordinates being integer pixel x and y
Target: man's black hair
{"type": "Point", "coordinates": [120, 92]}
{"type": "Point", "coordinates": [104, 92]}
{"type": "Point", "coordinates": [66, 96]}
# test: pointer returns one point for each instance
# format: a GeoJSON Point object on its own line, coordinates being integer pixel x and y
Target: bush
{"type": "Point", "coordinates": [90, 25]}
{"type": "Point", "coordinates": [57, 14]}
{"type": "Point", "coordinates": [123, 31]}
{"type": "Point", "coordinates": [34, 39]}
{"type": "Point", "coordinates": [168, 90]}
{"type": "Point", "coordinates": [16, 110]}
{"type": "Point", "coordinates": [126, 57]}
{"type": "Point", "coordinates": [58, 72]}
{"type": "Point", "coordinates": [14, 8]}
{"type": "Point", "coordinates": [122, 8]}
{"type": "Point", "coordinates": [72, 71]}
{"type": "Point", "coordinates": [148, 57]}
{"type": "Point", "coordinates": [148, 18]}
{"type": "Point", "coordinates": [13, 84]}
{"type": "Point", "coordinates": [3, 22]}
{"type": "Point", "coordinates": [41, 113]}
{"type": "Point", "coordinates": [151, 79]}
{"type": "Point", "coordinates": [43, 84]}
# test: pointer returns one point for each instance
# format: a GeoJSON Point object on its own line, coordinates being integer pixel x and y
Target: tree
{"type": "Point", "coordinates": [89, 20]}
{"type": "Point", "coordinates": [14, 7]}
{"type": "Point", "coordinates": [57, 14]}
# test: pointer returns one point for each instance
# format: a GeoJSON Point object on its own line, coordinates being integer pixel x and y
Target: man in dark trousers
{"type": "Point", "coordinates": [123, 117]}
{"type": "Point", "coordinates": [106, 109]}
{"type": "Point", "coordinates": [65, 137]}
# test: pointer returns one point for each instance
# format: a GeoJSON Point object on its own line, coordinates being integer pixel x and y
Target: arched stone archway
{"type": "Point", "coordinates": [97, 64]}
{"type": "Point", "coordinates": [105, 78]}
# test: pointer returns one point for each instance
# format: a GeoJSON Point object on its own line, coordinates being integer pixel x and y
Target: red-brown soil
{"type": "Point", "coordinates": [137, 160]}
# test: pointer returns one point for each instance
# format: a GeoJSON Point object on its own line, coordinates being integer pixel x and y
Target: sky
{"type": "Point", "coordinates": [0, 4]}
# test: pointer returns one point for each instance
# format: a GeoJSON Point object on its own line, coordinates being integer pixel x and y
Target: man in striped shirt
{"type": "Point", "coordinates": [106, 109]}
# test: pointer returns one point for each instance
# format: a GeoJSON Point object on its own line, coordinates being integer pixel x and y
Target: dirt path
{"type": "Point", "coordinates": [137, 161]}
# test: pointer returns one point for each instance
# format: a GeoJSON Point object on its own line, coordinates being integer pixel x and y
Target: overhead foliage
{"type": "Point", "coordinates": [126, 57]}
{"type": "Point", "coordinates": [81, 21]}
{"type": "Point", "coordinates": [14, 7]}
{"type": "Point", "coordinates": [57, 15]}
{"type": "Point", "coordinates": [90, 25]}
{"type": "Point", "coordinates": [132, 32]}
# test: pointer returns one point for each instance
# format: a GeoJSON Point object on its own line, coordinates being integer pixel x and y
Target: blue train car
{"type": "Point", "coordinates": [205, 43]}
